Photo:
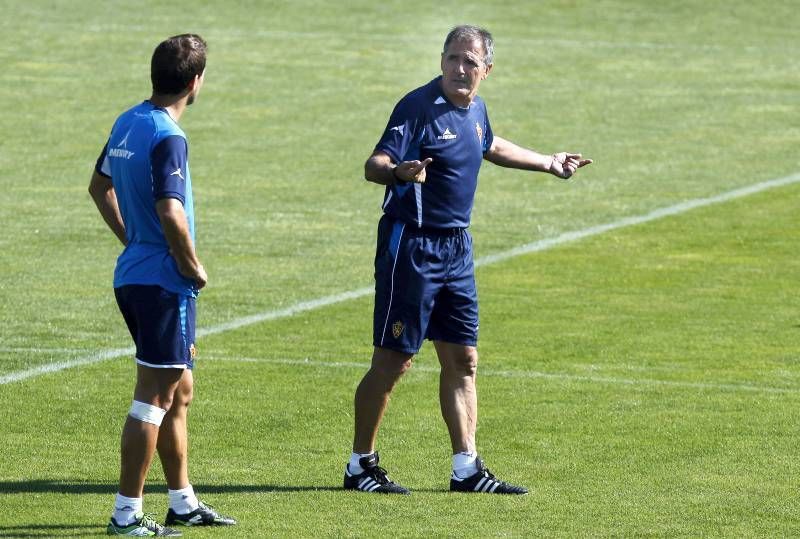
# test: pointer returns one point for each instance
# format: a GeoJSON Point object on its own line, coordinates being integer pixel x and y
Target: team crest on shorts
{"type": "Point", "coordinates": [397, 329]}
{"type": "Point", "coordinates": [192, 351]}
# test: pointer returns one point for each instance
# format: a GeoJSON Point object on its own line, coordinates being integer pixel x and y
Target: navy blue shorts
{"type": "Point", "coordinates": [424, 287]}
{"type": "Point", "coordinates": [162, 324]}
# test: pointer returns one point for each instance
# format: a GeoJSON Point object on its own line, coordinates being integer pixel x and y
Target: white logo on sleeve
{"type": "Point", "coordinates": [447, 135]}
{"type": "Point", "coordinates": [178, 174]}
{"type": "Point", "coordinates": [399, 129]}
{"type": "Point", "coordinates": [124, 142]}
{"type": "Point", "coordinates": [122, 148]}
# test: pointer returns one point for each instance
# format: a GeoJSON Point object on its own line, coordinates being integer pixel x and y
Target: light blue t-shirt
{"type": "Point", "coordinates": [146, 157]}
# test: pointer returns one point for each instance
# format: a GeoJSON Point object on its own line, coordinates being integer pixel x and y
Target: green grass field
{"type": "Point", "coordinates": [642, 381]}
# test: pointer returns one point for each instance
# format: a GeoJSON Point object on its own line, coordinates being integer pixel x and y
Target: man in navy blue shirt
{"type": "Point", "coordinates": [428, 158]}
{"type": "Point", "coordinates": [143, 189]}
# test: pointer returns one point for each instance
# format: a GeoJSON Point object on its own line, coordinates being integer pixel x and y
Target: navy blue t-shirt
{"type": "Point", "coordinates": [425, 124]}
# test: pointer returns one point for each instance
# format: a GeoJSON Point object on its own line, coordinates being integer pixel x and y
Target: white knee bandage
{"type": "Point", "coordinates": [147, 413]}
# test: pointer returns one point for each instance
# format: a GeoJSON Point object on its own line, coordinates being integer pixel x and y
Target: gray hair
{"type": "Point", "coordinates": [467, 32]}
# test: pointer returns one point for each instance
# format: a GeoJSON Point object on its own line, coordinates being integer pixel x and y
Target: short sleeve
{"type": "Point", "coordinates": [488, 137]}
{"type": "Point", "coordinates": [168, 162]}
{"type": "Point", "coordinates": [401, 131]}
{"type": "Point", "coordinates": [103, 167]}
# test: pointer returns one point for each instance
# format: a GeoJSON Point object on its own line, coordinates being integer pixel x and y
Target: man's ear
{"type": "Point", "coordinates": [488, 70]}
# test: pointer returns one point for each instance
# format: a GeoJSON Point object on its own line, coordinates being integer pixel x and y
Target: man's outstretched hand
{"type": "Point", "coordinates": [565, 164]}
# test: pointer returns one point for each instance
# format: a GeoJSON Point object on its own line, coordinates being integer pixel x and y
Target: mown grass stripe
{"type": "Point", "coordinates": [537, 246]}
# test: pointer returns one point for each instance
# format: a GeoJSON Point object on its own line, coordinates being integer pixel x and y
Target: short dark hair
{"type": "Point", "coordinates": [467, 32]}
{"type": "Point", "coordinates": [176, 61]}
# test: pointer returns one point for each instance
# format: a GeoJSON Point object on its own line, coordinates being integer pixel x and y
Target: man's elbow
{"type": "Point", "coordinates": [95, 191]}
{"type": "Point", "coordinates": [370, 171]}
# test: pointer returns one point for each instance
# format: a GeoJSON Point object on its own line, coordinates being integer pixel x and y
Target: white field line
{"type": "Point", "coordinates": [40, 350]}
{"type": "Point", "coordinates": [714, 386]}
{"type": "Point", "coordinates": [537, 246]}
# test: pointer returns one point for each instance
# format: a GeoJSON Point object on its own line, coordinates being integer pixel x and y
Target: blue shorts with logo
{"type": "Point", "coordinates": [162, 324]}
{"type": "Point", "coordinates": [424, 287]}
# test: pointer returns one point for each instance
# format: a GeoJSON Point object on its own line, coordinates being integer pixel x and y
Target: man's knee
{"type": "Point", "coordinates": [469, 362]}
{"type": "Point", "coordinates": [184, 395]}
{"type": "Point", "coordinates": [162, 388]}
{"type": "Point", "coordinates": [463, 361]}
{"type": "Point", "coordinates": [390, 364]}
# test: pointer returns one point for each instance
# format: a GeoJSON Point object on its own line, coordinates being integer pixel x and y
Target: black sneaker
{"type": "Point", "coordinates": [372, 479]}
{"type": "Point", "coordinates": [202, 516]}
{"type": "Point", "coordinates": [484, 481]}
{"type": "Point", "coordinates": [144, 526]}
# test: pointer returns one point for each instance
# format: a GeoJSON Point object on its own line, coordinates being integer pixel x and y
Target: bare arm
{"type": "Point", "coordinates": [380, 169]}
{"type": "Point", "coordinates": [105, 198]}
{"type": "Point", "coordinates": [176, 230]}
{"type": "Point", "coordinates": [507, 154]}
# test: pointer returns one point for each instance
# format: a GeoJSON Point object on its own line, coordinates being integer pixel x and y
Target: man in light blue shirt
{"type": "Point", "coordinates": [143, 189]}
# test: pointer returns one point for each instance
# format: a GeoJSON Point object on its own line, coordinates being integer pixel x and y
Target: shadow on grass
{"type": "Point", "coordinates": [80, 487]}
{"type": "Point", "coordinates": [50, 530]}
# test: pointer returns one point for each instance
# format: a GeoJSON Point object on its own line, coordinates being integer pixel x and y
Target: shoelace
{"type": "Point", "coordinates": [489, 475]}
{"type": "Point", "coordinates": [379, 475]}
{"type": "Point", "coordinates": [149, 521]}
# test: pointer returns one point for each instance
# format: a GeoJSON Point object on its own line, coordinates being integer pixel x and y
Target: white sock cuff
{"type": "Point", "coordinates": [355, 462]}
{"type": "Point", "coordinates": [123, 502]}
{"type": "Point", "coordinates": [189, 491]}
{"type": "Point", "coordinates": [464, 463]}
{"type": "Point", "coordinates": [183, 500]}
{"type": "Point", "coordinates": [126, 509]}
{"type": "Point", "coordinates": [147, 413]}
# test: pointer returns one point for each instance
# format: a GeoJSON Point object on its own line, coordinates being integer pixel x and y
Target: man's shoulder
{"type": "Point", "coordinates": [428, 92]}
{"type": "Point", "coordinates": [424, 97]}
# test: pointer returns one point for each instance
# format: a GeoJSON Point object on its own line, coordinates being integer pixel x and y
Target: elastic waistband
{"type": "Point", "coordinates": [427, 230]}
{"type": "Point", "coordinates": [434, 231]}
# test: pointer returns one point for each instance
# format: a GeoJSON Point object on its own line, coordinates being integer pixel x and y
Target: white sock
{"type": "Point", "coordinates": [464, 464]}
{"type": "Point", "coordinates": [354, 466]}
{"type": "Point", "coordinates": [183, 501]}
{"type": "Point", "coordinates": [125, 509]}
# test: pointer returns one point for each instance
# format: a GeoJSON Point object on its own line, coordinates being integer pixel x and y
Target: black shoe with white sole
{"type": "Point", "coordinates": [204, 515]}
{"type": "Point", "coordinates": [372, 479]}
{"type": "Point", "coordinates": [484, 481]}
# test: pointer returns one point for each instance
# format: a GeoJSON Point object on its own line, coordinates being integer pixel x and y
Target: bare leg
{"type": "Point", "coordinates": [372, 395]}
{"type": "Point", "coordinates": [173, 439]}
{"type": "Point", "coordinates": [156, 387]}
{"type": "Point", "coordinates": [458, 395]}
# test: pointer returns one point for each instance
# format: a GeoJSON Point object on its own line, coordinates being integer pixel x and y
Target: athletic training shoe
{"type": "Point", "coordinates": [483, 481]}
{"type": "Point", "coordinates": [202, 516]}
{"type": "Point", "coordinates": [144, 526]}
{"type": "Point", "coordinates": [372, 479]}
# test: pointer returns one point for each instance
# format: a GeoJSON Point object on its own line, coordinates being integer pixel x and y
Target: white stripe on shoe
{"type": "Point", "coordinates": [365, 483]}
